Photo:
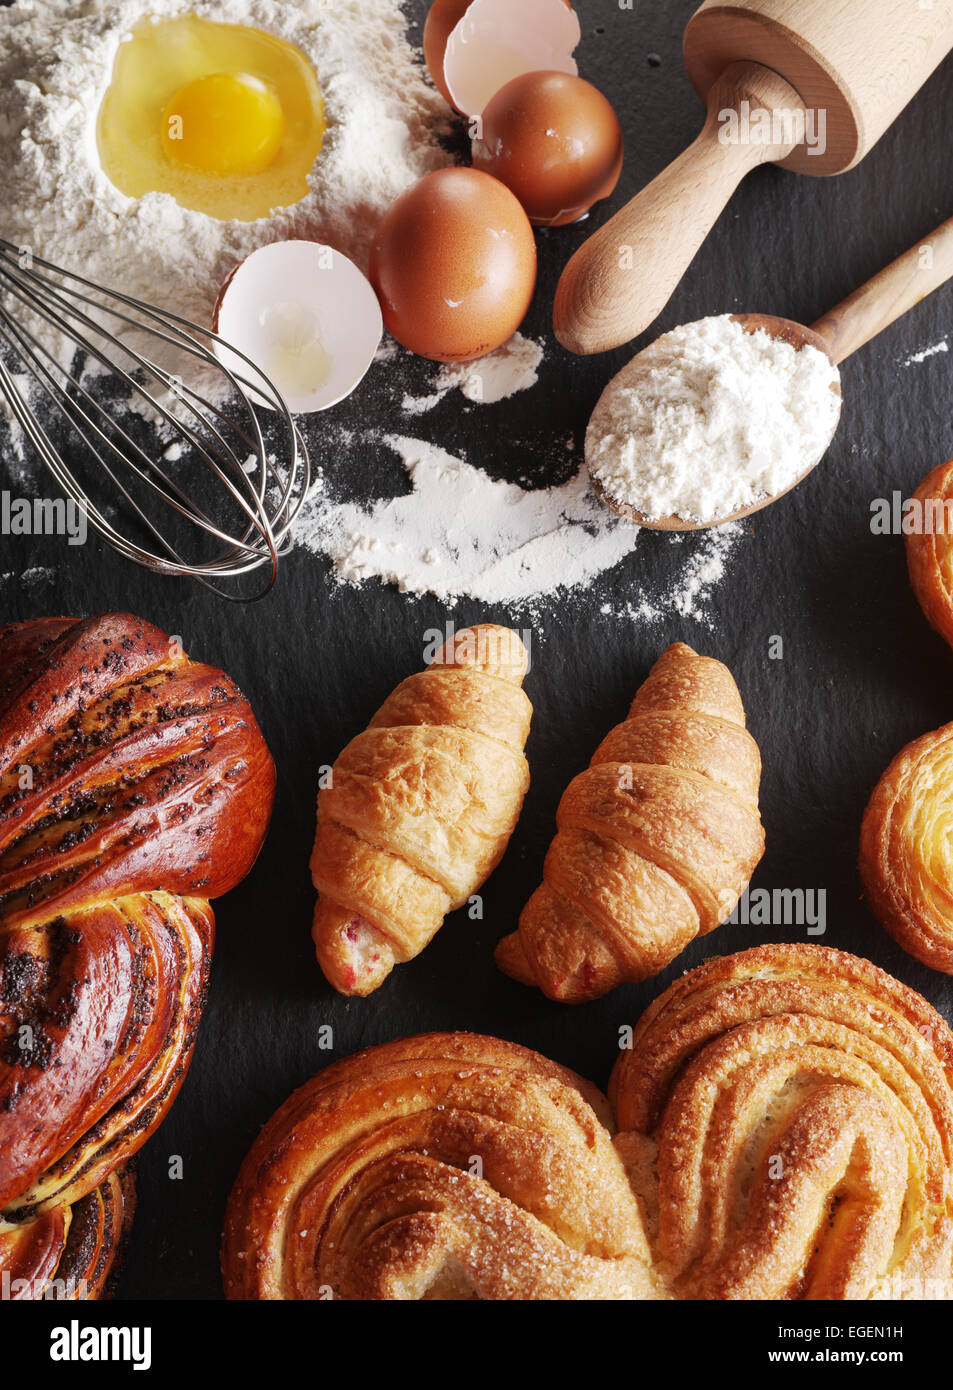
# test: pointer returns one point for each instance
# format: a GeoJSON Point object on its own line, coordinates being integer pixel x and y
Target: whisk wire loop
{"type": "Point", "coordinates": [264, 490]}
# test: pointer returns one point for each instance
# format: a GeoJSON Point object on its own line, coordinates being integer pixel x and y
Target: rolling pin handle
{"type": "Point", "coordinates": [619, 280]}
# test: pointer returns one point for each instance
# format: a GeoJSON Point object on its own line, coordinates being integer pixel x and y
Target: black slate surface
{"type": "Point", "coordinates": [861, 674]}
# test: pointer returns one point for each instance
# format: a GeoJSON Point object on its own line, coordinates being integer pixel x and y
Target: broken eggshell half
{"type": "Point", "coordinates": [305, 316]}
{"type": "Point", "coordinates": [496, 40]}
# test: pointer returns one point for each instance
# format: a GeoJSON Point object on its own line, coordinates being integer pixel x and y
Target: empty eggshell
{"type": "Point", "coordinates": [454, 264]}
{"type": "Point", "coordinates": [305, 316]}
{"type": "Point", "coordinates": [555, 141]}
{"type": "Point", "coordinates": [497, 40]}
{"type": "Point", "coordinates": [442, 18]}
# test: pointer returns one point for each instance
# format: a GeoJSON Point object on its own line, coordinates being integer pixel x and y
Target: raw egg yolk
{"type": "Point", "coordinates": [226, 119]}
{"type": "Point", "coordinates": [224, 123]}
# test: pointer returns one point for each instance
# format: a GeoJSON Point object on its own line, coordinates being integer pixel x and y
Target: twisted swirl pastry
{"type": "Point", "coordinates": [419, 807]}
{"type": "Point", "coordinates": [906, 849]}
{"type": "Point", "coordinates": [69, 1252]}
{"type": "Point", "coordinates": [134, 786]}
{"type": "Point", "coordinates": [443, 1166]}
{"type": "Point", "coordinates": [930, 549]}
{"type": "Point", "coordinates": [786, 1115]}
{"type": "Point", "coordinates": [655, 841]}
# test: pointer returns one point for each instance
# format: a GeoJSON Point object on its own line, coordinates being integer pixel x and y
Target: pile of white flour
{"type": "Point", "coordinates": [56, 59]}
{"type": "Point", "coordinates": [460, 534]}
{"type": "Point", "coordinates": [710, 419]}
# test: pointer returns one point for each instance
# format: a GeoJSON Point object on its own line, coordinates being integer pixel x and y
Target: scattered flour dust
{"type": "Point", "coordinates": [18, 461]}
{"type": "Point", "coordinates": [702, 573]}
{"type": "Point", "coordinates": [916, 358]}
{"type": "Point", "coordinates": [705, 570]}
{"type": "Point", "coordinates": [460, 533]}
{"type": "Point", "coordinates": [500, 374]}
{"type": "Point", "coordinates": [383, 118]}
{"type": "Point", "coordinates": [29, 578]}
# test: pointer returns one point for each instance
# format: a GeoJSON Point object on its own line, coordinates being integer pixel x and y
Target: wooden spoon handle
{"type": "Point", "coordinates": [623, 276]}
{"type": "Point", "coordinates": [889, 295]}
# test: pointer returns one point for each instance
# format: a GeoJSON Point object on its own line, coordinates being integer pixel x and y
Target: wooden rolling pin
{"type": "Point", "coordinates": [828, 76]}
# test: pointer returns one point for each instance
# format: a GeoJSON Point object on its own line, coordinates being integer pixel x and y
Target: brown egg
{"type": "Point", "coordinates": [454, 265]}
{"type": "Point", "coordinates": [555, 141]}
{"type": "Point", "coordinates": [442, 18]}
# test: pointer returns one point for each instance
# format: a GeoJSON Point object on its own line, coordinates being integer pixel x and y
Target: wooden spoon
{"type": "Point", "coordinates": [857, 319]}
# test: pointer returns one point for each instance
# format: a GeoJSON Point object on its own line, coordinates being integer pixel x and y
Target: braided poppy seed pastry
{"type": "Point", "coordinates": [655, 841]}
{"type": "Point", "coordinates": [70, 1252]}
{"type": "Point", "coordinates": [135, 785]}
{"type": "Point", "coordinates": [906, 849]}
{"type": "Point", "coordinates": [786, 1115]}
{"type": "Point", "coordinates": [447, 1166]}
{"type": "Point", "coordinates": [419, 808]}
{"type": "Point", "coordinates": [930, 550]}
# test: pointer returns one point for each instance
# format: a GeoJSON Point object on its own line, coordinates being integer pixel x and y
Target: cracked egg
{"type": "Point", "coordinates": [226, 118]}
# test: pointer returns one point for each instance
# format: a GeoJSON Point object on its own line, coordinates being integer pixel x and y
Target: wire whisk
{"type": "Point", "coordinates": [220, 498]}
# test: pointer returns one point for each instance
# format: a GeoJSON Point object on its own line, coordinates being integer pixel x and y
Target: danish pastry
{"type": "Point", "coordinates": [930, 549]}
{"type": "Point", "coordinates": [419, 808]}
{"type": "Point", "coordinates": [135, 785]}
{"type": "Point", "coordinates": [786, 1116]}
{"type": "Point", "coordinates": [448, 1166]}
{"type": "Point", "coordinates": [906, 849]}
{"type": "Point", "coordinates": [655, 841]}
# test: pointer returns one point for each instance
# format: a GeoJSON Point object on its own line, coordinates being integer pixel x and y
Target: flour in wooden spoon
{"type": "Point", "coordinates": [711, 419]}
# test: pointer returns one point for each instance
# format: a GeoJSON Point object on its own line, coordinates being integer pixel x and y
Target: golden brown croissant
{"type": "Point", "coordinates": [419, 808]}
{"type": "Point", "coordinates": [656, 840]}
{"type": "Point", "coordinates": [930, 549]}
{"type": "Point", "coordinates": [906, 849]}
{"type": "Point", "coordinates": [444, 1166]}
{"type": "Point", "coordinates": [786, 1115]}
{"type": "Point", "coordinates": [134, 786]}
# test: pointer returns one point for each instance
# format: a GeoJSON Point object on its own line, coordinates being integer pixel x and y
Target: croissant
{"type": "Point", "coordinates": [419, 808]}
{"type": "Point", "coordinates": [135, 785]}
{"type": "Point", "coordinates": [447, 1166]}
{"type": "Point", "coordinates": [655, 841]}
{"type": "Point", "coordinates": [786, 1116]}
{"type": "Point", "coordinates": [930, 549]}
{"type": "Point", "coordinates": [906, 854]}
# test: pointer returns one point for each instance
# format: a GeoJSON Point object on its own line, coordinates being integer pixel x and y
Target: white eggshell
{"type": "Point", "coordinates": [306, 317]}
{"type": "Point", "coordinates": [497, 40]}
